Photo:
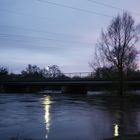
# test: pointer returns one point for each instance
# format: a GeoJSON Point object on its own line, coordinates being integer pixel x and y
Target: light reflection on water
{"type": "Point", "coordinates": [116, 130]}
{"type": "Point", "coordinates": [116, 124]}
{"type": "Point", "coordinates": [47, 105]}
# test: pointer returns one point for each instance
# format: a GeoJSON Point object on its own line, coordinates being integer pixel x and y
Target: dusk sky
{"type": "Point", "coordinates": [60, 32]}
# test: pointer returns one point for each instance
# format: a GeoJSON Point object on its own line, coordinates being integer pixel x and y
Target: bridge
{"type": "Point", "coordinates": [79, 86]}
{"type": "Point", "coordinates": [72, 82]}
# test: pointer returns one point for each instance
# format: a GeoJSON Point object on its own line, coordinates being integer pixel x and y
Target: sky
{"type": "Point", "coordinates": [55, 32]}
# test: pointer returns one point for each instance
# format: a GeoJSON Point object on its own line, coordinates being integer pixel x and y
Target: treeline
{"type": "Point", "coordinates": [34, 73]}
{"type": "Point", "coordinates": [111, 73]}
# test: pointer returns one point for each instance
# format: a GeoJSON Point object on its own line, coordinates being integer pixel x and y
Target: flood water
{"type": "Point", "coordinates": [66, 117]}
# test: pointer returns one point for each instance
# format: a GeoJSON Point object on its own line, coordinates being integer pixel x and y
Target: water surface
{"type": "Point", "coordinates": [66, 117]}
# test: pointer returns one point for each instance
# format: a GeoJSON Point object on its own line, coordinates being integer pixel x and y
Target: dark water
{"type": "Point", "coordinates": [65, 117]}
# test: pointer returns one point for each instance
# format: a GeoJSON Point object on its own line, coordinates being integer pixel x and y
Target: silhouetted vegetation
{"type": "Point", "coordinates": [116, 48]}
{"type": "Point", "coordinates": [3, 73]}
{"type": "Point", "coordinates": [34, 73]}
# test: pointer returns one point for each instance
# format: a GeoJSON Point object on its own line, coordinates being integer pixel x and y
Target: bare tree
{"type": "Point", "coordinates": [31, 70]}
{"type": "Point", "coordinates": [4, 74]}
{"type": "Point", "coordinates": [117, 45]}
{"type": "Point", "coordinates": [54, 71]}
{"type": "Point", "coordinates": [3, 71]}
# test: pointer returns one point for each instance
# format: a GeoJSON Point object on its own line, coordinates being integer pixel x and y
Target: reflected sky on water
{"type": "Point", "coordinates": [67, 117]}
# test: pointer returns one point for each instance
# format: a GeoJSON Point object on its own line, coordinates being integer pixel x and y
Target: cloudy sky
{"type": "Point", "coordinates": [61, 32]}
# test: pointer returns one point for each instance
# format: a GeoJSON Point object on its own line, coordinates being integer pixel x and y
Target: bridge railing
{"type": "Point", "coordinates": [74, 75]}
{"type": "Point", "coordinates": [79, 75]}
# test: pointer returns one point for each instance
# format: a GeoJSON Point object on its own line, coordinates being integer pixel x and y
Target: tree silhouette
{"type": "Point", "coordinates": [116, 47]}
{"type": "Point", "coordinates": [54, 71]}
